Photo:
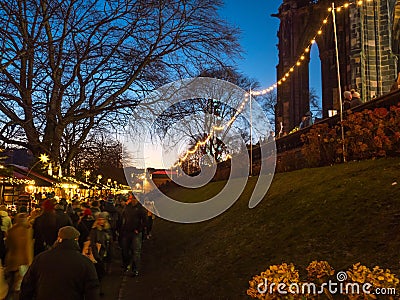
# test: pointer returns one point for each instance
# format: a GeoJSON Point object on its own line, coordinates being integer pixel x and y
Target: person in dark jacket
{"type": "Point", "coordinates": [61, 273]}
{"type": "Point", "coordinates": [346, 100]}
{"type": "Point", "coordinates": [45, 227]}
{"type": "Point", "coordinates": [100, 238]}
{"type": "Point", "coordinates": [355, 99]}
{"type": "Point", "coordinates": [112, 215]}
{"type": "Point", "coordinates": [134, 220]}
{"type": "Point", "coordinates": [62, 217]}
{"type": "Point", "coordinates": [87, 218]}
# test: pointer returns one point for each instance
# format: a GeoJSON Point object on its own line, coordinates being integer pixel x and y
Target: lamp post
{"type": "Point", "coordinates": [339, 84]}
{"type": "Point", "coordinates": [99, 177]}
{"type": "Point", "coordinates": [251, 134]}
{"type": "Point", "coordinates": [87, 173]}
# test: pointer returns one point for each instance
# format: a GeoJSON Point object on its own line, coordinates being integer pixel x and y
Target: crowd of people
{"type": "Point", "coordinates": [68, 247]}
{"type": "Point", "coordinates": [351, 99]}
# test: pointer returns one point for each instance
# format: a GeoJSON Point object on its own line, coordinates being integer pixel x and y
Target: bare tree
{"type": "Point", "coordinates": [99, 151]}
{"type": "Point", "coordinates": [72, 66]}
{"type": "Point", "coordinates": [268, 103]}
{"type": "Point", "coordinates": [315, 106]}
{"type": "Point", "coordinates": [197, 117]}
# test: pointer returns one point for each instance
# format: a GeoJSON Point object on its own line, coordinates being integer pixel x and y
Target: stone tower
{"type": "Point", "coordinates": [368, 47]}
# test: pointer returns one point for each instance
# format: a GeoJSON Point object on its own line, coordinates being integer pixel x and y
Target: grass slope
{"type": "Point", "coordinates": [344, 214]}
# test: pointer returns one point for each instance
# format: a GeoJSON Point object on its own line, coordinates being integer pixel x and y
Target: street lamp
{"type": "Point", "coordinates": [338, 77]}
{"type": "Point", "coordinates": [87, 173]}
{"type": "Point", "coordinates": [98, 178]}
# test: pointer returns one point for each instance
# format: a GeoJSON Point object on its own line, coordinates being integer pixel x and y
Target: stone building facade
{"type": "Point", "coordinates": [368, 52]}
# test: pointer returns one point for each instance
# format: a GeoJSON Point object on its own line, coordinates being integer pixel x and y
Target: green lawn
{"type": "Point", "coordinates": [344, 214]}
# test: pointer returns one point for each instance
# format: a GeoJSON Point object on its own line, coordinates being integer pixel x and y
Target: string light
{"type": "Point", "coordinates": [307, 48]}
{"type": "Point", "coordinates": [266, 90]}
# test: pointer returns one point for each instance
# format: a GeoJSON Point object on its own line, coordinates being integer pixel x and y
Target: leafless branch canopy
{"type": "Point", "coordinates": [70, 66]}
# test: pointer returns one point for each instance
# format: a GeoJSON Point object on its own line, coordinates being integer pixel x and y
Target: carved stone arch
{"type": "Point", "coordinates": [366, 61]}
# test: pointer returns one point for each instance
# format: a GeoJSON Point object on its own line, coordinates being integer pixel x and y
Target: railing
{"type": "Point", "coordinates": [293, 140]}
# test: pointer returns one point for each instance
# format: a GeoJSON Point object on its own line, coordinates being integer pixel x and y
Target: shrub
{"type": "Point", "coordinates": [368, 134]}
{"type": "Point", "coordinates": [274, 275]}
{"type": "Point", "coordinates": [349, 284]}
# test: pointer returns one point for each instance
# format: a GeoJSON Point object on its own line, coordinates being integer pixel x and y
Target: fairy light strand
{"type": "Point", "coordinates": [283, 79]}
{"type": "Point", "coordinates": [302, 57]}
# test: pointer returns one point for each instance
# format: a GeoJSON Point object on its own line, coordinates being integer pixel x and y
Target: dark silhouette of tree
{"type": "Point", "coordinates": [315, 106]}
{"type": "Point", "coordinates": [197, 117]}
{"type": "Point", "coordinates": [70, 67]}
{"type": "Point", "coordinates": [99, 151]}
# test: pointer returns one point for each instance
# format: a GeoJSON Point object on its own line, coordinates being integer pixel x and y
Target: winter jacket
{"type": "Point", "coordinates": [61, 273]}
{"type": "Point", "coordinates": [6, 222]}
{"type": "Point", "coordinates": [45, 230]}
{"type": "Point", "coordinates": [134, 218]}
{"type": "Point", "coordinates": [19, 244]}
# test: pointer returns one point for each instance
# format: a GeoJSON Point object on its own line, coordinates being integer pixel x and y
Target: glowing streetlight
{"type": "Point", "coordinates": [87, 173]}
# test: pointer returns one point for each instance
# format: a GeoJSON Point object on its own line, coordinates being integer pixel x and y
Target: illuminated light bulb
{"type": "Point", "coordinates": [298, 63]}
{"type": "Point", "coordinates": [312, 41]}
{"type": "Point", "coordinates": [338, 9]}
{"type": "Point", "coordinates": [284, 79]}
{"type": "Point", "coordinates": [325, 21]}
{"type": "Point", "coordinates": [307, 50]}
{"type": "Point", "coordinates": [346, 5]}
{"type": "Point", "coordinates": [359, 2]}
{"type": "Point", "coordinates": [246, 95]}
{"type": "Point", "coordinates": [264, 92]}
{"type": "Point", "coordinates": [291, 69]}
{"type": "Point", "coordinates": [330, 9]}
{"type": "Point", "coordinates": [287, 74]}
{"type": "Point", "coordinates": [302, 57]}
{"type": "Point", "coordinates": [320, 32]}
{"type": "Point", "coordinates": [279, 82]}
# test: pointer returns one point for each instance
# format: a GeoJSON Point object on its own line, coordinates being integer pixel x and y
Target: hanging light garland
{"type": "Point", "coordinates": [268, 89]}
{"type": "Point", "coordinates": [302, 57]}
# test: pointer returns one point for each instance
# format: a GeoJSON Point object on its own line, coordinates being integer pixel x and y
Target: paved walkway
{"type": "Point", "coordinates": [117, 285]}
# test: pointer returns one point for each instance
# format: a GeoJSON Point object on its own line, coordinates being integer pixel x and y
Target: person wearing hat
{"type": "Point", "coordinates": [100, 238]}
{"type": "Point", "coordinates": [45, 227]}
{"type": "Point", "coordinates": [61, 272]}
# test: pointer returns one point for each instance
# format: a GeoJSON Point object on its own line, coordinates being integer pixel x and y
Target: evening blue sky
{"type": "Point", "coordinates": [259, 40]}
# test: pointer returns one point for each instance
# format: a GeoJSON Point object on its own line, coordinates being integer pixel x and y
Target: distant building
{"type": "Point", "coordinates": [161, 177]}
